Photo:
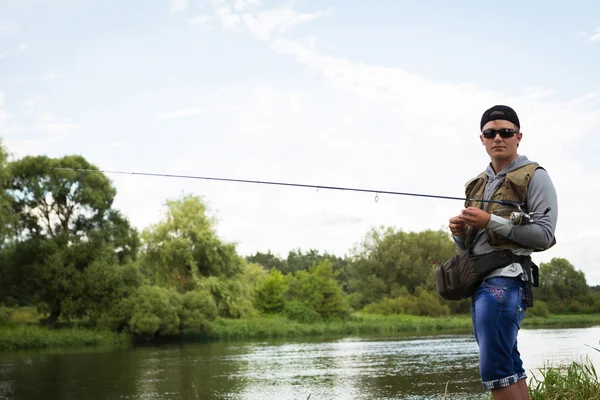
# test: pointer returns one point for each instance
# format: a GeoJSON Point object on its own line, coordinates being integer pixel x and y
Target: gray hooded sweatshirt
{"type": "Point", "coordinates": [539, 233]}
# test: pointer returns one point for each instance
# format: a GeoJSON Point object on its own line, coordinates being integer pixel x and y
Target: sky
{"type": "Point", "coordinates": [383, 95]}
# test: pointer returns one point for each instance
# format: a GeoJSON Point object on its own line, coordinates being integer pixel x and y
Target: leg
{"type": "Point", "coordinates": [511, 392]}
{"type": "Point", "coordinates": [524, 389]}
{"type": "Point", "coordinates": [521, 310]}
{"type": "Point", "coordinates": [496, 318]}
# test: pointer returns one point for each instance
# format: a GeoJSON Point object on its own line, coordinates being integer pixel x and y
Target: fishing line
{"type": "Point", "coordinates": [377, 192]}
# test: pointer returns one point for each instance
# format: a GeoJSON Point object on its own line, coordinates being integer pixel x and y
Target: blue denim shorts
{"type": "Point", "coordinates": [498, 306]}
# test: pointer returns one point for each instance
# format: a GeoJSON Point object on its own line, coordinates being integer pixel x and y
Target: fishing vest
{"type": "Point", "coordinates": [514, 188]}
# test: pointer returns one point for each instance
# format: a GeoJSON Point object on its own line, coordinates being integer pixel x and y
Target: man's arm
{"type": "Point", "coordinates": [540, 232]}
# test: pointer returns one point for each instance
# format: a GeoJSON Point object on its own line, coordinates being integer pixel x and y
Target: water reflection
{"type": "Point", "coordinates": [399, 367]}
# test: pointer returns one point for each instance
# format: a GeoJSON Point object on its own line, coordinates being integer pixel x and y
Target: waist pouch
{"type": "Point", "coordinates": [457, 278]}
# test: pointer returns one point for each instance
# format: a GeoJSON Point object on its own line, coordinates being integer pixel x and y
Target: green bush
{"type": "Point", "coordinates": [539, 309]}
{"type": "Point", "coordinates": [422, 303]}
{"type": "Point", "coordinates": [150, 311]}
{"type": "Point", "coordinates": [319, 289]}
{"type": "Point", "coordinates": [300, 312]}
{"type": "Point", "coordinates": [25, 315]}
{"type": "Point", "coordinates": [198, 311]}
{"type": "Point", "coordinates": [269, 293]}
{"type": "Point", "coordinates": [4, 315]}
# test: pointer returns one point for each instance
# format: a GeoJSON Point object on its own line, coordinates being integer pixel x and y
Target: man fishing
{"type": "Point", "coordinates": [499, 303]}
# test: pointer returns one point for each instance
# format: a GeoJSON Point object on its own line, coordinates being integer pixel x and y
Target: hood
{"type": "Point", "coordinates": [518, 162]}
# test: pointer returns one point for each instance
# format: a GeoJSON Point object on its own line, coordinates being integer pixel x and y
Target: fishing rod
{"type": "Point", "coordinates": [377, 192]}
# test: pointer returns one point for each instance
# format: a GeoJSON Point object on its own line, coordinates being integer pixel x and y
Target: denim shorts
{"type": "Point", "coordinates": [498, 306]}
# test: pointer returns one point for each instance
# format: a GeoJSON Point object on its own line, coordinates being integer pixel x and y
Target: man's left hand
{"type": "Point", "coordinates": [476, 217]}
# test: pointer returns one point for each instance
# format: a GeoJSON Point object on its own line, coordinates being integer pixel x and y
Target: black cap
{"type": "Point", "coordinates": [500, 112]}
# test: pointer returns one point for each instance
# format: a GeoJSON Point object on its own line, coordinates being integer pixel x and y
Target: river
{"type": "Point", "coordinates": [366, 367]}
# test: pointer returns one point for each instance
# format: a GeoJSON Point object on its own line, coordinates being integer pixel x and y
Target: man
{"type": "Point", "coordinates": [499, 304]}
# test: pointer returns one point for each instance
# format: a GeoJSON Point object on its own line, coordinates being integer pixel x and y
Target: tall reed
{"type": "Point", "coordinates": [577, 381]}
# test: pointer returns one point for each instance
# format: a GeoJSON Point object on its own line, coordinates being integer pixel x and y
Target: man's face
{"type": "Point", "coordinates": [498, 147]}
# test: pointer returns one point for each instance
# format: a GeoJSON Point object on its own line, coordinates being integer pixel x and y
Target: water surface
{"type": "Point", "coordinates": [391, 367]}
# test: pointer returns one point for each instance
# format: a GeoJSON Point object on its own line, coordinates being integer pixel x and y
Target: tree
{"type": "Point", "coordinates": [561, 285]}
{"type": "Point", "coordinates": [267, 260]}
{"type": "Point", "coordinates": [50, 201]}
{"type": "Point", "coordinates": [269, 292]}
{"type": "Point", "coordinates": [184, 246]}
{"type": "Point", "coordinates": [388, 261]}
{"type": "Point", "coordinates": [6, 213]}
{"type": "Point", "coordinates": [66, 222]}
{"type": "Point", "coordinates": [318, 288]}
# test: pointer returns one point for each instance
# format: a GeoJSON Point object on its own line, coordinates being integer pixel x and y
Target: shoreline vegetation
{"type": "Point", "coordinates": [17, 336]}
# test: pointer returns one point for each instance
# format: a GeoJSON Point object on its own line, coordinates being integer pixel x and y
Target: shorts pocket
{"type": "Point", "coordinates": [498, 287]}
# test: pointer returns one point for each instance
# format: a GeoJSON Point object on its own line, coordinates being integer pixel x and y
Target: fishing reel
{"type": "Point", "coordinates": [521, 217]}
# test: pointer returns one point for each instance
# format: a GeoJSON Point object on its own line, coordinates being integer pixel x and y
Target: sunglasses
{"type": "Point", "coordinates": [504, 133]}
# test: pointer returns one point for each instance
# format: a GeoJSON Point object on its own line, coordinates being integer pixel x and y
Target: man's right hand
{"type": "Point", "coordinates": [457, 225]}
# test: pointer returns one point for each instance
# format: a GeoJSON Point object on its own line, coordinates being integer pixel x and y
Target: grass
{"type": "Point", "coordinates": [24, 333]}
{"type": "Point", "coordinates": [279, 327]}
{"type": "Point", "coordinates": [25, 337]}
{"type": "Point", "coordinates": [578, 381]}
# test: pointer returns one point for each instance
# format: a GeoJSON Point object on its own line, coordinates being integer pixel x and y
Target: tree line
{"type": "Point", "coordinates": [65, 250]}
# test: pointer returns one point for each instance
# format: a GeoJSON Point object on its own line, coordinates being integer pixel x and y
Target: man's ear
{"type": "Point", "coordinates": [519, 137]}
{"type": "Point", "coordinates": [481, 138]}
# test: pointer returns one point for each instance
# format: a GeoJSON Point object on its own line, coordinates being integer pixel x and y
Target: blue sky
{"type": "Point", "coordinates": [386, 96]}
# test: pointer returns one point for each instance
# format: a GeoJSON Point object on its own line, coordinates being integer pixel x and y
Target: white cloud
{"type": "Point", "coordinates": [7, 28]}
{"type": "Point", "coordinates": [595, 36]}
{"type": "Point", "coordinates": [21, 147]}
{"type": "Point", "coordinates": [263, 24]}
{"type": "Point", "coordinates": [203, 20]}
{"type": "Point", "coordinates": [22, 47]}
{"type": "Point", "coordinates": [3, 112]}
{"type": "Point", "coordinates": [118, 144]}
{"type": "Point", "coordinates": [33, 128]}
{"type": "Point", "coordinates": [4, 54]}
{"type": "Point", "coordinates": [188, 112]}
{"type": "Point", "coordinates": [243, 5]}
{"type": "Point", "coordinates": [52, 76]}
{"type": "Point", "coordinates": [177, 5]}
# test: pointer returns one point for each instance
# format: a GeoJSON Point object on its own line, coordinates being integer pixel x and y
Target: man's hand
{"type": "Point", "coordinates": [457, 225]}
{"type": "Point", "coordinates": [476, 217]}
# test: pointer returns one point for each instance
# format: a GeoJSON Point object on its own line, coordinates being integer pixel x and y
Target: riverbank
{"type": "Point", "coordinates": [27, 336]}
{"type": "Point", "coordinates": [280, 327]}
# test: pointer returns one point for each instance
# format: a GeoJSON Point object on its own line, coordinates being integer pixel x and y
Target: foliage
{"type": "Point", "coordinates": [65, 225]}
{"type": "Point", "coordinates": [269, 293]}
{"type": "Point", "coordinates": [150, 311]}
{"type": "Point", "coordinates": [301, 312]}
{"type": "Point", "coordinates": [421, 302]}
{"type": "Point", "coordinates": [184, 247]}
{"type": "Point", "coordinates": [25, 337]}
{"type": "Point", "coordinates": [388, 261]}
{"type": "Point", "coordinates": [539, 309]}
{"type": "Point", "coordinates": [6, 213]}
{"type": "Point", "coordinates": [52, 201]}
{"type": "Point", "coordinates": [198, 310]}
{"type": "Point", "coordinates": [319, 289]}
{"type": "Point", "coordinates": [297, 260]}
{"type": "Point", "coordinates": [563, 288]}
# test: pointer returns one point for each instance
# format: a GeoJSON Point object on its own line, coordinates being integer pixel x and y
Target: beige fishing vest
{"type": "Point", "coordinates": [514, 188]}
